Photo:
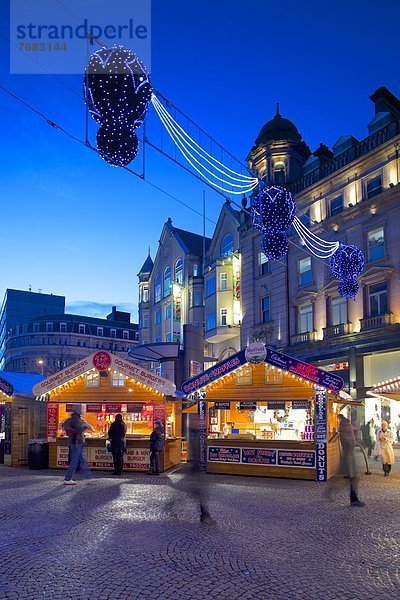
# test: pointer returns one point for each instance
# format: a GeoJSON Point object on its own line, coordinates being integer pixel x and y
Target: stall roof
{"type": "Point", "coordinates": [103, 361]}
{"type": "Point", "coordinates": [157, 352]}
{"type": "Point", "coordinates": [257, 353]}
{"type": "Point", "coordinates": [21, 383]}
{"type": "Point", "coordinates": [389, 389]}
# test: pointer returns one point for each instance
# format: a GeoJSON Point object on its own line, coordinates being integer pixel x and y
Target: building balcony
{"type": "Point", "coordinates": [336, 330]}
{"type": "Point", "coordinates": [222, 333]}
{"type": "Point", "coordinates": [304, 338]}
{"type": "Point", "coordinates": [378, 321]}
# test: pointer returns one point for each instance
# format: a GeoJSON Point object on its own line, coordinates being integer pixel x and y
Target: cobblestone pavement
{"type": "Point", "coordinates": [115, 538]}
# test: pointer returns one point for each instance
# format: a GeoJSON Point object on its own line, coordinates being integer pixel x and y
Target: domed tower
{"type": "Point", "coordinates": [279, 152]}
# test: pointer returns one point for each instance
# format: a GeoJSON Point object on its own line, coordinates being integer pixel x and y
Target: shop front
{"type": "Point", "coordinates": [265, 413]}
{"type": "Point", "coordinates": [21, 417]}
{"type": "Point", "coordinates": [104, 385]}
{"type": "Point", "coordinates": [385, 400]}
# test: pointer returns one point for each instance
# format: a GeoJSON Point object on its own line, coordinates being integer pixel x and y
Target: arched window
{"type": "Point", "coordinates": [167, 281]}
{"type": "Point", "coordinates": [178, 277]}
{"type": "Point", "coordinates": [279, 173]}
{"type": "Point", "coordinates": [227, 245]}
{"type": "Point", "coordinates": [157, 288]}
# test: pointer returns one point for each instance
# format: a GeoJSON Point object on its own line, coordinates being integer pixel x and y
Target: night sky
{"type": "Point", "coordinates": [72, 225]}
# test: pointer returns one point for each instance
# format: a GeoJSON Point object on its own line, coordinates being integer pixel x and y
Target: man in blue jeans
{"type": "Point", "coordinates": [75, 427]}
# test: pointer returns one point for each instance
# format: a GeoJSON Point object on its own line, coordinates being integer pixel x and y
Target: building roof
{"type": "Point", "coordinates": [147, 266]}
{"type": "Point", "coordinates": [276, 129]}
{"type": "Point", "coordinates": [192, 241]}
{"type": "Point", "coordinates": [22, 382]}
{"type": "Point", "coordinates": [85, 320]}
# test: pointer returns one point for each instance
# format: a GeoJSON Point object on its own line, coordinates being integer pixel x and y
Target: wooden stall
{"type": "Point", "coordinates": [266, 413]}
{"type": "Point", "coordinates": [21, 417]}
{"type": "Point", "coordinates": [104, 385]}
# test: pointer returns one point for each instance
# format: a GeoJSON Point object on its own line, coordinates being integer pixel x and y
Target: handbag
{"type": "Point", "coordinates": [108, 446]}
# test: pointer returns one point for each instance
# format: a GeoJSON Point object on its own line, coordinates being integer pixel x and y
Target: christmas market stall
{"type": "Point", "coordinates": [384, 404]}
{"type": "Point", "coordinates": [21, 417]}
{"type": "Point", "coordinates": [103, 385]}
{"type": "Point", "coordinates": [262, 412]}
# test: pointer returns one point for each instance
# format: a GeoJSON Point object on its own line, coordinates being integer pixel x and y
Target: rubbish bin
{"type": "Point", "coordinates": [38, 454]}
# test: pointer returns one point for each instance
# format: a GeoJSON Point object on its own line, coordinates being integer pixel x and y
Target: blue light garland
{"type": "Point", "coordinates": [347, 264]}
{"type": "Point", "coordinates": [273, 211]}
{"type": "Point", "coordinates": [117, 90]}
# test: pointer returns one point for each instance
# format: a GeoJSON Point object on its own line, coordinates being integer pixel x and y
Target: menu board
{"type": "Point", "coordinates": [52, 422]}
{"type": "Point", "coordinates": [160, 413]}
{"type": "Point", "coordinates": [248, 405]}
{"type": "Point", "coordinates": [137, 459]}
{"type": "Point", "coordinates": [258, 456]}
{"type": "Point", "coordinates": [113, 408]}
{"type": "Point", "coordinates": [276, 405]}
{"type": "Point", "coordinates": [300, 404]}
{"type": "Point", "coordinates": [225, 405]}
{"type": "Point", "coordinates": [134, 407]}
{"type": "Point", "coordinates": [94, 408]}
{"type": "Point", "coordinates": [224, 454]}
{"type": "Point", "coordinates": [296, 458]}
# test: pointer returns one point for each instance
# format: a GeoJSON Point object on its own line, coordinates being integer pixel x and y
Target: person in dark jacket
{"type": "Point", "coordinates": [156, 447]}
{"type": "Point", "coordinates": [75, 428]}
{"type": "Point", "coordinates": [348, 464]}
{"type": "Point", "coordinates": [117, 437]}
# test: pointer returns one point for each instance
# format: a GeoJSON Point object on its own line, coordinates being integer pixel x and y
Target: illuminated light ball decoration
{"type": "Point", "coordinates": [347, 263]}
{"type": "Point", "coordinates": [273, 211]}
{"type": "Point", "coordinates": [117, 91]}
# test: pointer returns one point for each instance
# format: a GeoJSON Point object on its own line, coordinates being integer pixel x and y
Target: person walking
{"type": "Point", "coordinates": [385, 447]}
{"type": "Point", "coordinates": [157, 442]}
{"type": "Point", "coordinates": [117, 437]}
{"type": "Point", "coordinates": [75, 427]}
{"type": "Point", "coordinates": [368, 436]}
{"type": "Point", "coordinates": [348, 461]}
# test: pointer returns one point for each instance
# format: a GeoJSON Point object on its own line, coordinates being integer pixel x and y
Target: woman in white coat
{"type": "Point", "coordinates": [385, 442]}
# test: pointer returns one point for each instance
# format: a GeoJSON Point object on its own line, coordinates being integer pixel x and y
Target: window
{"type": "Point", "coordinates": [264, 264]}
{"type": "Point", "coordinates": [49, 327]}
{"type": "Point", "coordinates": [305, 271]}
{"type": "Point", "coordinates": [117, 380]}
{"type": "Point", "coordinates": [178, 276]}
{"type": "Point", "coordinates": [196, 270]}
{"type": "Point", "coordinates": [63, 328]}
{"type": "Point", "coordinates": [338, 310]}
{"type": "Point", "coordinates": [168, 337]}
{"type": "Point", "coordinates": [158, 316]}
{"type": "Point", "coordinates": [223, 281]}
{"type": "Point", "coordinates": [336, 205]}
{"type": "Point", "coordinates": [273, 375]}
{"type": "Point", "coordinates": [227, 245]}
{"type": "Point", "coordinates": [100, 331]}
{"type": "Point", "coordinates": [92, 379]}
{"type": "Point", "coordinates": [224, 317]}
{"type": "Point", "coordinates": [145, 320]}
{"type": "Point", "coordinates": [265, 309]}
{"type": "Point", "coordinates": [125, 335]}
{"type": "Point", "coordinates": [211, 323]}
{"type": "Point", "coordinates": [167, 282]}
{"type": "Point", "coordinates": [244, 376]}
{"type": "Point", "coordinates": [378, 299]}
{"type": "Point", "coordinates": [82, 329]}
{"type": "Point", "coordinates": [157, 288]}
{"type": "Point", "coordinates": [374, 186]}
{"type": "Point", "coordinates": [210, 286]}
{"type": "Point", "coordinates": [197, 298]}
{"type": "Point", "coordinates": [279, 173]}
{"type": "Point", "coordinates": [305, 318]}
{"type": "Point", "coordinates": [36, 327]}
{"type": "Point", "coordinates": [168, 311]}
{"type": "Point", "coordinates": [376, 244]}
{"type": "Point", "coordinates": [144, 294]}
{"type": "Point", "coordinates": [113, 333]}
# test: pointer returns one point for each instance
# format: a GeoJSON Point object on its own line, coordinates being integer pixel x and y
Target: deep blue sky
{"type": "Point", "coordinates": [72, 225]}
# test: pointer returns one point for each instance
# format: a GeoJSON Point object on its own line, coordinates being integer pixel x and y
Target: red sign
{"type": "Point", "coordinates": [160, 413]}
{"type": "Point", "coordinates": [69, 407]}
{"type": "Point", "coordinates": [52, 421]}
{"type": "Point", "coordinates": [113, 408]}
{"type": "Point", "coordinates": [102, 361]}
{"type": "Point", "coordinates": [96, 408]}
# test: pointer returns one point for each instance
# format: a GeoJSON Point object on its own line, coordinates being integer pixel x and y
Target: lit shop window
{"type": "Point", "coordinates": [118, 380]}
{"type": "Point", "coordinates": [92, 380]}
{"type": "Point", "coordinates": [244, 376]}
{"type": "Point", "coordinates": [273, 375]}
{"type": "Point", "coordinates": [376, 244]}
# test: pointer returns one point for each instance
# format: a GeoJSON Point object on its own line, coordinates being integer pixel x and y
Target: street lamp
{"type": "Point", "coordinates": [41, 363]}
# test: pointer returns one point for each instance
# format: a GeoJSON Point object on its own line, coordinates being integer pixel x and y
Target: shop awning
{"type": "Point", "coordinates": [155, 352]}
{"type": "Point", "coordinates": [388, 390]}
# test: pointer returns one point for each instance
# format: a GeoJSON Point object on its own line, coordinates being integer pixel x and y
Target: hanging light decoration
{"type": "Point", "coordinates": [273, 211]}
{"type": "Point", "coordinates": [117, 91]}
{"type": "Point", "coordinates": [347, 263]}
{"type": "Point", "coordinates": [348, 288]}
